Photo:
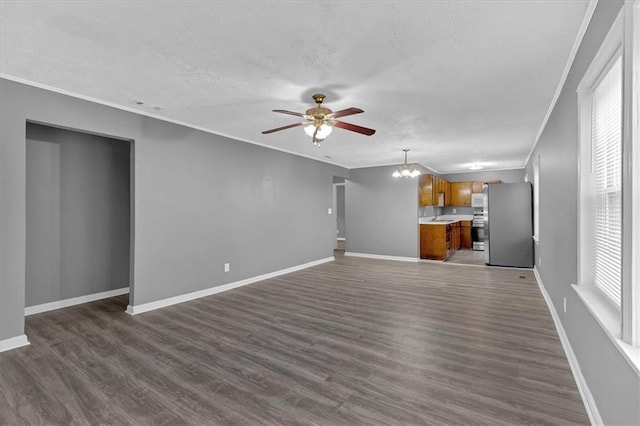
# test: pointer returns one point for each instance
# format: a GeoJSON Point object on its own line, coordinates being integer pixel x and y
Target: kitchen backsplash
{"type": "Point", "coordinates": [429, 211]}
{"type": "Point", "coordinates": [460, 210]}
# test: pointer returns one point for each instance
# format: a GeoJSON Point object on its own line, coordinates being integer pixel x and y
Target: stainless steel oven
{"type": "Point", "coordinates": [477, 231]}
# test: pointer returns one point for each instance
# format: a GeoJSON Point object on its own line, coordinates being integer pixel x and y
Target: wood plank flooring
{"type": "Point", "coordinates": [355, 341]}
{"type": "Point", "coordinates": [467, 257]}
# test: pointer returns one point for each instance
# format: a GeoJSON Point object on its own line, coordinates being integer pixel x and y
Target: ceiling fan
{"type": "Point", "coordinates": [320, 121]}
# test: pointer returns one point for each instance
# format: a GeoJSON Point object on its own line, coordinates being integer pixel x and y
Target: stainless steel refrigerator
{"type": "Point", "coordinates": [508, 224]}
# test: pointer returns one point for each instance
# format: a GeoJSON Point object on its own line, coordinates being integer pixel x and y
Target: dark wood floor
{"type": "Point", "coordinates": [355, 341]}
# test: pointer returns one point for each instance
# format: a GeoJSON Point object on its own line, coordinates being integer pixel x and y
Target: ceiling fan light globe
{"type": "Point", "coordinates": [396, 174]}
{"type": "Point", "coordinates": [324, 130]}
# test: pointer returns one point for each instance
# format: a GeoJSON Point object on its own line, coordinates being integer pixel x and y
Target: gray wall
{"type": "Point", "coordinates": [507, 176]}
{"type": "Point", "coordinates": [612, 381]}
{"type": "Point", "coordinates": [192, 211]}
{"type": "Point", "coordinates": [77, 227]}
{"type": "Point", "coordinates": [460, 210]}
{"type": "Point", "coordinates": [340, 211]}
{"type": "Point", "coordinates": [381, 213]}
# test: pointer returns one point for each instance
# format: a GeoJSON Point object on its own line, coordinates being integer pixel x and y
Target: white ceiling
{"type": "Point", "coordinates": [455, 81]}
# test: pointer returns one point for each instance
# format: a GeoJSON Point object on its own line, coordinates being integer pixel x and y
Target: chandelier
{"type": "Point", "coordinates": [406, 170]}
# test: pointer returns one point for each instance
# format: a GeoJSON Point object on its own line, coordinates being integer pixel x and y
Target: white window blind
{"type": "Point", "coordinates": [536, 197]}
{"type": "Point", "coordinates": [606, 139]}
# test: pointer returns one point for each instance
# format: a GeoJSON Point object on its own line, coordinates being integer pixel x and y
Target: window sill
{"type": "Point", "coordinates": [609, 319]}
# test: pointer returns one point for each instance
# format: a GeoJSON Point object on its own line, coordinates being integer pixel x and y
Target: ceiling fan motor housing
{"type": "Point", "coordinates": [319, 116]}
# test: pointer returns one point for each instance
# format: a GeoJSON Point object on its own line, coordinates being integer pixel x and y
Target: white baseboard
{"type": "Point", "coordinates": [381, 256]}
{"type": "Point", "coordinates": [13, 343]}
{"type": "Point", "coordinates": [45, 307]}
{"type": "Point", "coordinates": [146, 307]}
{"type": "Point", "coordinates": [587, 398]}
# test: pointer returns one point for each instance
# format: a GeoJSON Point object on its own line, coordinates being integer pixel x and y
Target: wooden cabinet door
{"type": "Point", "coordinates": [442, 191]}
{"type": "Point", "coordinates": [476, 187]}
{"type": "Point", "coordinates": [434, 191]}
{"type": "Point", "coordinates": [447, 193]}
{"type": "Point", "coordinates": [465, 234]}
{"type": "Point", "coordinates": [425, 190]}
{"type": "Point", "coordinates": [433, 242]}
{"type": "Point", "coordinates": [461, 193]}
{"type": "Point", "coordinates": [455, 236]}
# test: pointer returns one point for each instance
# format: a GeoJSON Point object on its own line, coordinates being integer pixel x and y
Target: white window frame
{"type": "Point", "coordinates": [536, 199]}
{"type": "Point", "coordinates": [631, 176]}
{"type": "Point", "coordinates": [621, 324]}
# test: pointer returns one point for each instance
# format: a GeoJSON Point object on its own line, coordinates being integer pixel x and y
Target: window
{"type": "Point", "coordinates": [536, 199]}
{"type": "Point", "coordinates": [609, 185]}
{"type": "Point", "coordinates": [606, 167]}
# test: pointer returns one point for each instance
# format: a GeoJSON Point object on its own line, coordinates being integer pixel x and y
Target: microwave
{"type": "Point", "coordinates": [476, 200]}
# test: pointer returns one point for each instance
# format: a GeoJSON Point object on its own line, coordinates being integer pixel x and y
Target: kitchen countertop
{"type": "Point", "coordinates": [444, 219]}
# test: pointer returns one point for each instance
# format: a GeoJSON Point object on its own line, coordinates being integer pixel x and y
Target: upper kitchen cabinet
{"type": "Point", "coordinates": [477, 186]}
{"type": "Point", "coordinates": [461, 193]}
{"type": "Point", "coordinates": [438, 189]}
{"type": "Point", "coordinates": [425, 190]}
{"type": "Point", "coordinates": [433, 191]}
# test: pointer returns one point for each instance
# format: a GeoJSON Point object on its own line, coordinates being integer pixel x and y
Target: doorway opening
{"type": "Point", "coordinates": [79, 222]}
{"type": "Point", "coordinates": [339, 209]}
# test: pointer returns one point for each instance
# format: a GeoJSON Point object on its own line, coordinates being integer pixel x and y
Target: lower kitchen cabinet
{"type": "Point", "coordinates": [435, 241]}
{"type": "Point", "coordinates": [439, 241]}
{"type": "Point", "coordinates": [465, 235]}
{"type": "Point", "coordinates": [455, 236]}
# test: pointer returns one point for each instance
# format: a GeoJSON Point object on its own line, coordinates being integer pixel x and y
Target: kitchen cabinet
{"type": "Point", "coordinates": [447, 193]}
{"type": "Point", "coordinates": [455, 237]}
{"type": "Point", "coordinates": [438, 241]}
{"type": "Point", "coordinates": [434, 192]}
{"type": "Point", "coordinates": [461, 193]}
{"type": "Point", "coordinates": [477, 186]}
{"type": "Point", "coordinates": [435, 241]}
{"type": "Point", "coordinates": [441, 192]}
{"type": "Point", "coordinates": [429, 189]}
{"type": "Point", "coordinates": [465, 235]}
{"type": "Point", "coordinates": [425, 190]}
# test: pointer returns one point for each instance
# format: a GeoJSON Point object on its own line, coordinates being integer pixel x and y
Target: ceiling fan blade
{"type": "Point", "coordinates": [284, 111]}
{"type": "Point", "coordinates": [354, 128]}
{"type": "Point", "coordinates": [266, 132]}
{"type": "Point", "coordinates": [345, 112]}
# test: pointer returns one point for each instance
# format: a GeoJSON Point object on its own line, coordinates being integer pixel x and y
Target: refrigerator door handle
{"type": "Point", "coordinates": [485, 218]}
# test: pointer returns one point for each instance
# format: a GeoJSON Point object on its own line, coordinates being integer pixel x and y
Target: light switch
{"type": "Point", "coordinates": [329, 210]}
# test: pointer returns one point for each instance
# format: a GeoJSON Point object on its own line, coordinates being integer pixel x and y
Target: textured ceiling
{"type": "Point", "coordinates": [455, 81]}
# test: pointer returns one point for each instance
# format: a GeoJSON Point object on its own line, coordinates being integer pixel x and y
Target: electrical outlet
{"type": "Point", "coordinates": [227, 268]}
{"type": "Point", "coordinates": [564, 299]}
{"type": "Point", "coordinates": [454, 211]}
{"type": "Point", "coordinates": [329, 210]}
